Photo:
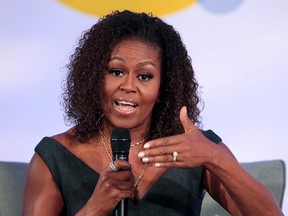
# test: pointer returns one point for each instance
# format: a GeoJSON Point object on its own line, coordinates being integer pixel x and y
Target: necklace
{"type": "Point", "coordinates": [131, 145]}
{"type": "Point", "coordinates": [110, 157]}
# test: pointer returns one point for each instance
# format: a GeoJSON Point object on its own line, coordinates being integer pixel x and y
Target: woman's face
{"type": "Point", "coordinates": [131, 84]}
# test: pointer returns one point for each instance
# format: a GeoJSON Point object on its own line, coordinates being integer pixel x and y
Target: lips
{"type": "Point", "coordinates": [124, 105]}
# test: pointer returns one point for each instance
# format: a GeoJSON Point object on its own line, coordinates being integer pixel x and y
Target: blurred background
{"type": "Point", "coordinates": [239, 51]}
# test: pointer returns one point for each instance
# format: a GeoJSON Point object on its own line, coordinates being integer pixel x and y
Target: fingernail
{"type": "Point", "coordinates": [145, 159]}
{"type": "Point", "coordinates": [157, 164]}
{"type": "Point", "coordinates": [146, 146]}
{"type": "Point", "coordinates": [141, 154]}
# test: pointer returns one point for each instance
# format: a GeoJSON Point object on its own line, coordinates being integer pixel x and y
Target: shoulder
{"type": "Point", "coordinates": [51, 151]}
{"type": "Point", "coordinates": [66, 138]}
{"type": "Point", "coordinates": [51, 143]}
{"type": "Point", "coordinates": [40, 189]}
{"type": "Point", "coordinates": [209, 134]}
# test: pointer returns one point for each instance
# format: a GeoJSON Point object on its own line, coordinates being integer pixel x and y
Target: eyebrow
{"type": "Point", "coordinates": [138, 65]}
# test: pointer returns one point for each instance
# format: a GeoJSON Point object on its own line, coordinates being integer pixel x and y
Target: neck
{"type": "Point", "coordinates": [138, 137]}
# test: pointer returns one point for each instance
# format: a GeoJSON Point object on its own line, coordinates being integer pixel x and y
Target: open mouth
{"type": "Point", "coordinates": [125, 105]}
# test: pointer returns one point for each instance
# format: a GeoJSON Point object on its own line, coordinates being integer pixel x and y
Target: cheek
{"type": "Point", "coordinates": [152, 95]}
{"type": "Point", "coordinates": [109, 89]}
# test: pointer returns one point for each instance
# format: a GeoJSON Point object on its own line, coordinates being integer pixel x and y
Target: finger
{"type": "Point", "coordinates": [123, 175]}
{"type": "Point", "coordinates": [123, 194]}
{"type": "Point", "coordinates": [169, 164]}
{"type": "Point", "coordinates": [163, 142]}
{"type": "Point", "coordinates": [118, 191]}
{"type": "Point", "coordinates": [166, 161]}
{"type": "Point", "coordinates": [120, 165]}
{"type": "Point", "coordinates": [116, 182]}
{"type": "Point", "coordinates": [155, 150]}
{"type": "Point", "coordinates": [124, 182]}
{"type": "Point", "coordinates": [124, 185]}
{"type": "Point", "coordinates": [120, 176]}
{"type": "Point", "coordinates": [163, 158]}
{"type": "Point", "coordinates": [186, 122]}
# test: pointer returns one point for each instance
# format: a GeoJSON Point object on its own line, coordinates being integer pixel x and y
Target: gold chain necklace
{"type": "Point", "coordinates": [110, 157]}
{"type": "Point", "coordinates": [131, 145]}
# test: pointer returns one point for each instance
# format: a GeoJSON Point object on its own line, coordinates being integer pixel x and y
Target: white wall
{"type": "Point", "coordinates": [240, 58]}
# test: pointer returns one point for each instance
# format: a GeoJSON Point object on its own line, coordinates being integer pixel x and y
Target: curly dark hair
{"type": "Point", "coordinates": [83, 88]}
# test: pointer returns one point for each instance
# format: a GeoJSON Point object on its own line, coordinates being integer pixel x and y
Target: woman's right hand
{"type": "Point", "coordinates": [111, 188]}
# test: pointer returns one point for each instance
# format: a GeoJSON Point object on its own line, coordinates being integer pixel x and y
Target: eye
{"type": "Point", "coordinates": [145, 77]}
{"type": "Point", "coordinates": [116, 72]}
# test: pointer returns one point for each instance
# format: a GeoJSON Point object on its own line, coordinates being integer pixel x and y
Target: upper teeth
{"type": "Point", "coordinates": [125, 103]}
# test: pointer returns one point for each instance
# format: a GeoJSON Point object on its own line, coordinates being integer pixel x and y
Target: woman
{"type": "Point", "coordinates": [132, 71]}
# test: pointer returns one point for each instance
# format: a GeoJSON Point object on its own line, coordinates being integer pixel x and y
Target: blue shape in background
{"type": "Point", "coordinates": [220, 6]}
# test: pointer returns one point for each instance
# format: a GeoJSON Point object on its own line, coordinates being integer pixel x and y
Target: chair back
{"type": "Point", "coordinates": [270, 173]}
{"type": "Point", "coordinates": [12, 180]}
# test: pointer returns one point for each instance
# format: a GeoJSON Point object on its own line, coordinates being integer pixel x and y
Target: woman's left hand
{"type": "Point", "coordinates": [223, 177]}
{"type": "Point", "coordinates": [189, 149]}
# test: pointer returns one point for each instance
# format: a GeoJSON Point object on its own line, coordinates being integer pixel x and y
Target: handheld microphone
{"type": "Point", "coordinates": [120, 144]}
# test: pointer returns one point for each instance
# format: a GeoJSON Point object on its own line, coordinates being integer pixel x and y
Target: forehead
{"type": "Point", "coordinates": [134, 44]}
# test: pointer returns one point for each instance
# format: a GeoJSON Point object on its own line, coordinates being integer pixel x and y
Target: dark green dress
{"type": "Point", "coordinates": [176, 192]}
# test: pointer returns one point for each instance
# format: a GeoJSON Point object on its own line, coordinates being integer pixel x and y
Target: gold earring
{"type": "Point", "coordinates": [99, 119]}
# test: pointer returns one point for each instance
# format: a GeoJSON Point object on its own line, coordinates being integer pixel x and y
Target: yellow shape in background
{"type": "Point", "coordinates": [103, 7]}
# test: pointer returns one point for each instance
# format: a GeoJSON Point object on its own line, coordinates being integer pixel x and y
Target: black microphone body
{"type": "Point", "coordinates": [120, 144]}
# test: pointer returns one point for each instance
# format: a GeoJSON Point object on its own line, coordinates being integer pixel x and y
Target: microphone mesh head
{"type": "Point", "coordinates": [120, 140]}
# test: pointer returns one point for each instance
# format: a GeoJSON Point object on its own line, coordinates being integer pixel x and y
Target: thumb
{"type": "Point", "coordinates": [186, 122]}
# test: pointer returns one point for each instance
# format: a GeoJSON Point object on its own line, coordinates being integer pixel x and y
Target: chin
{"type": "Point", "coordinates": [121, 123]}
{"type": "Point", "coordinates": [129, 123]}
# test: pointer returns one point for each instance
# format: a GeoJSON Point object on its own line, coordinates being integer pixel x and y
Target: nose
{"type": "Point", "coordinates": [128, 84]}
